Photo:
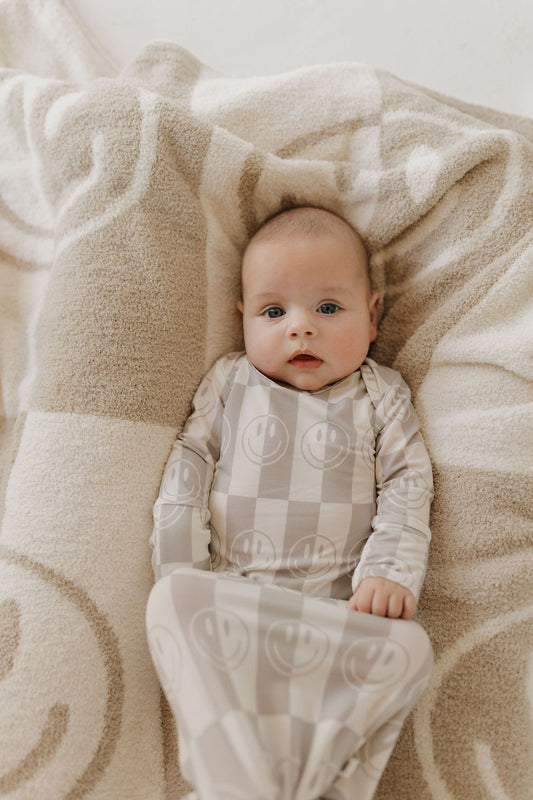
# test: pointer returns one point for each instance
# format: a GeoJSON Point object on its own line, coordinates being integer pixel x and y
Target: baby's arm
{"type": "Point", "coordinates": [181, 535]}
{"type": "Point", "coordinates": [395, 554]}
{"type": "Point", "coordinates": [384, 598]}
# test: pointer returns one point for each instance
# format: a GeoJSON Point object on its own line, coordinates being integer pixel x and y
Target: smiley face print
{"type": "Point", "coordinates": [166, 655]}
{"type": "Point", "coordinates": [396, 403]}
{"type": "Point", "coordinates": [295, 647]}
{"type": "Point", "coordinates": [374, 663]}
{"type": "Point", "coordinates": [221, 636]}
{"type": "Point", "coordinates": [205, 398]}
{"type": "Point", "coordinates": [182, 481]}
{"type": "Point", "coordinates": [412, 489]}
{"type": "Point", "coordinates": [312, 557]}
{"type": "Point", "coordinates": [252, 549]}
{"type": "Point", "coordinates": [265, 440]}
{"type": "Point", "coordinates": [325, 445]}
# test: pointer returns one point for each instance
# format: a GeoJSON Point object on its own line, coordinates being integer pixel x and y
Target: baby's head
{"type": "Point", "coordinates": [309, 314]}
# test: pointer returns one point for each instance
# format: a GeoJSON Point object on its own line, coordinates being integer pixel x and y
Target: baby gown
{"type": "Point", "coordinates": [274, 504]}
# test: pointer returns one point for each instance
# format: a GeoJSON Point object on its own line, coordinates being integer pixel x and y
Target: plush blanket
{"type": "Point", "coordinates": [125, 203]}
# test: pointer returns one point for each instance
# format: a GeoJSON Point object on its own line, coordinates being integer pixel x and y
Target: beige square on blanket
{"type": "Point", "coordinates": [125, 203]}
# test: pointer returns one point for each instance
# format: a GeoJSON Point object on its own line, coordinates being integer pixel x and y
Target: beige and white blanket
{"type": "Point", "coordinates": [125, 202]}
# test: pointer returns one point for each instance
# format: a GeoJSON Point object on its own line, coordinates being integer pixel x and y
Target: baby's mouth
{"type": "Point", "coordinates": [306, 360]}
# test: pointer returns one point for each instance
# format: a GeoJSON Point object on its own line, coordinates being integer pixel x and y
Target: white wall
{"type": "Point", "coordinates": [478, 50]}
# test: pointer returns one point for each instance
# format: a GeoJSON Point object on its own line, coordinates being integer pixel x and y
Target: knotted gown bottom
{"type": "Point", "coordinates": [279, 695]}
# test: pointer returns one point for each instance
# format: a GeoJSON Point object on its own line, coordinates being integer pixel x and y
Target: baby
{"type": "Point", "coordinates": [309, 316]}
{"type": "Point", "coordinates": [301, 468]}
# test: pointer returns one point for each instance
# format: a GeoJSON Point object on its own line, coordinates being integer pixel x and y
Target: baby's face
{"type": "Point", "coordinates": [308, 314]}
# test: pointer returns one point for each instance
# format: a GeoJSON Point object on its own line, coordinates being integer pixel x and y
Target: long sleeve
{"type": "Point", "coordinates": [181, 533]}
{"type": "Point", "coordinates": [398, 546]}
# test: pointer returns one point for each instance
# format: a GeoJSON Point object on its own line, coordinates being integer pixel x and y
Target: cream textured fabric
{"type": "Point", "coordinates": [125, 202]}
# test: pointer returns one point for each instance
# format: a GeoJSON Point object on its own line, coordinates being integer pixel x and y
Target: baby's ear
{"type": "Point", "coordinates": [240, 306]}
{"type": "Point", "coordinates": [373, 308]}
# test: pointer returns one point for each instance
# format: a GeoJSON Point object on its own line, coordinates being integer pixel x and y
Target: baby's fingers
{"type": "Point", "coordinates": [396, 605]}
{"type": "Point", "coordinates": [383, 598]}
{"type": "Point", "coordinates": [362, 600]}
{"type": "Point", "coordinates": [370, 600]}
{"type": "Point", "coordinates": [409, 606]}
{"type": "Point", "coordinates": [380, 603]}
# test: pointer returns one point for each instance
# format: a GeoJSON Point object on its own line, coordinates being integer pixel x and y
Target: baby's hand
{"type": "Point", "coordinates": [384, 598]}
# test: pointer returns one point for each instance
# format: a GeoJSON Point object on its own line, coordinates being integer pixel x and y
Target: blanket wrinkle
{"type": "Point", "coordinates": [126, 199]}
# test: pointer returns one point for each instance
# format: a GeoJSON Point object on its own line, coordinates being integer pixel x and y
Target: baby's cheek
{"type": "Point", "coordinates": [263, 351]}
{"type": "Point", "coordinates": [350, 349]}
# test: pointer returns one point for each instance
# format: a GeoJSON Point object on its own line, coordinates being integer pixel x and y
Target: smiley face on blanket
{"type": "Point", "coordinates": [61, 715]}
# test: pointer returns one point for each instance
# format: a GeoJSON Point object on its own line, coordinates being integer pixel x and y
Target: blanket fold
{"type": "Point", "coordinates": [125, 203]}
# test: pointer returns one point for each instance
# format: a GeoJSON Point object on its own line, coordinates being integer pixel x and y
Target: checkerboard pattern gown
{"type": "Point", "coordinates": [274, 505]}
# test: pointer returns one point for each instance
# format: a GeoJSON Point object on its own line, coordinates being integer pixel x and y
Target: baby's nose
{"type": "Point", "coordinates": [301, 325]}
{"type": "Point", "coordinates": [296, 334]}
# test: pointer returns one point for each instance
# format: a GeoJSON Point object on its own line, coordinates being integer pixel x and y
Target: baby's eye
{"type": "Point", "coordinates": [328, 308]}
{"type": "Point", "coordinates": [273, 312]}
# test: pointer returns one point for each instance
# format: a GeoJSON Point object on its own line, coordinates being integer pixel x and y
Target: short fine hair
{"type": "Point", "coordinates": [306, 220]}
{"type": "Point", "coordinates": [309, 221]}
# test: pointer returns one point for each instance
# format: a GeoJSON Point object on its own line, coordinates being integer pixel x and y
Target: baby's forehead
{"type": "Point", "coordinates": [303, 227]}
{"type": "Point", "coordinates": [305, 221]}
{"type": "Point", "coordinates": [265, 279]}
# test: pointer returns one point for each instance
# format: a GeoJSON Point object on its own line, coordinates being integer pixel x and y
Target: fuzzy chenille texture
{"type": "Point", "coordinates": [125, 203]}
